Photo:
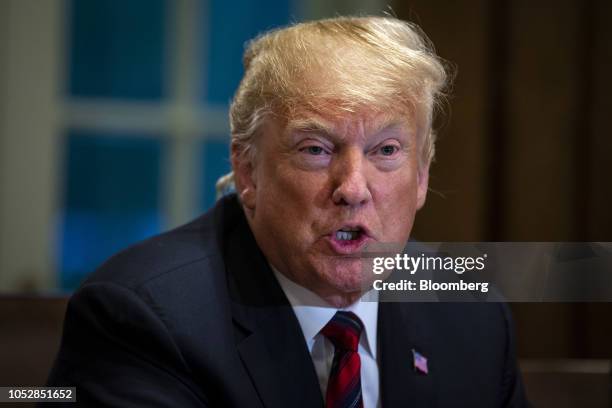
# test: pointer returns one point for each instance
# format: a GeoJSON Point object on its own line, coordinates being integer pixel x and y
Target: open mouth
{"type": "Point", "coordinates": [348, 239]}
{"type": "Point", "coordinates": [349, 234]}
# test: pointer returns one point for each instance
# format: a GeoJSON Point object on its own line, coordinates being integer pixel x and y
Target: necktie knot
{"type": "Point", "coordinates": [344, 330]}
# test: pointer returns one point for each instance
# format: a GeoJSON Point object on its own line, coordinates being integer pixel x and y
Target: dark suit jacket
{"type": "Point", "coordinates": [195, 318]}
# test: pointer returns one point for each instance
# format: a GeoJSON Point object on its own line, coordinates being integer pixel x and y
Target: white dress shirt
{"type": "Point", "coordinates": [313, 313]}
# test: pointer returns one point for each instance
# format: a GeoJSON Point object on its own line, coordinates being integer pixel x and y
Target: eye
{"type": "Point", "coordinates": [388, 150]}
{"type": "Point", "coordinates": [313, 155]}
{"type": "Point", "coordinates": [314, 150]}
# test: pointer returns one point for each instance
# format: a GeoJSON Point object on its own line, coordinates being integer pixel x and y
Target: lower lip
{"type": "Point", "coordinates": [347, 247]}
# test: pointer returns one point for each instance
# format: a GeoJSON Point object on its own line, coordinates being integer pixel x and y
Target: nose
{"type": "Point", "coordinates": [350, 181]}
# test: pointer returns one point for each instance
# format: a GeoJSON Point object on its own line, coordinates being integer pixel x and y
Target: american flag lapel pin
{"type": "Point", "coordinates": [420, 362]}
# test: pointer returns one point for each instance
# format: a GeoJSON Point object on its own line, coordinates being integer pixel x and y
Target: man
{"type": "Point", "coordinates": [257, 303]}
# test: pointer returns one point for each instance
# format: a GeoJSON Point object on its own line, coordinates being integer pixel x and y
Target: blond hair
{"type": "Point", "coordinates": [338, 66]}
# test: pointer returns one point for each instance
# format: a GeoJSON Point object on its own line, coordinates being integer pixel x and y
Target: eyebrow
{"type": "Point", "coordinates": [312, 125]}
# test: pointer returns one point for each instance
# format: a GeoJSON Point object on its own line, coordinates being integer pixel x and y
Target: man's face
{"type": "Point", "coordinates": [321, 189]}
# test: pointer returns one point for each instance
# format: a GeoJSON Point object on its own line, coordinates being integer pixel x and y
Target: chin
{"type": "Point", "coordinates": [346, 276]}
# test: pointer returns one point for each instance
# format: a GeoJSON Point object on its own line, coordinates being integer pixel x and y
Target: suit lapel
{"type": "Point", "coordinates": [269, 338]}
{"type": "Point", "coordinates": [279, 364]}
{"type": "Point", "coordinates": [403, 328]}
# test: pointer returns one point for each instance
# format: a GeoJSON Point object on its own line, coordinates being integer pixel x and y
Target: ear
{"type": "Point", "coordinates": [422, 184]}
{"type": "Point", "coordinates": [244, 176]}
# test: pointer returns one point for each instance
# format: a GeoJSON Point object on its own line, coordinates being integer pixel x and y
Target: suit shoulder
{"type": "Point", "coordinates": [191, 243]}
{"type": "Point", "coordinates": [468, 318]}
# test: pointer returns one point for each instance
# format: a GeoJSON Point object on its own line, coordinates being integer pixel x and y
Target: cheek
{"type": "Point", "coordinates": [282, 182]}
{"type": "Point", "coordinates": [397, 206]}
{"type": "Point", "coordinates": [287, 204]}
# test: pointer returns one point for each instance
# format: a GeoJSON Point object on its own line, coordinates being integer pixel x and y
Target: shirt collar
{"type": "Point", "coordinates": [313, 313]}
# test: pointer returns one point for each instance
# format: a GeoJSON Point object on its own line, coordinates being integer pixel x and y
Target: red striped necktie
{"type": "Point", "coordinates": [344, 384]}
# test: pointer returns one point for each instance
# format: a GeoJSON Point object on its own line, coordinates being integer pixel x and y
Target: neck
{"type": "Point", "coordinates": [341, 300]}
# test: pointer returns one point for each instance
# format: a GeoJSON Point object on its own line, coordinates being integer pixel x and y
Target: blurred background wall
{"type": "Point", "coordinates": [525, 153]}
{"type": "Point", "coordinates": [113, 127]}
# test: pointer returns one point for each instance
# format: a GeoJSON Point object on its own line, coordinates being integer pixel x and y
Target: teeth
{"type": "Point", "coordinates": [347, 235]}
